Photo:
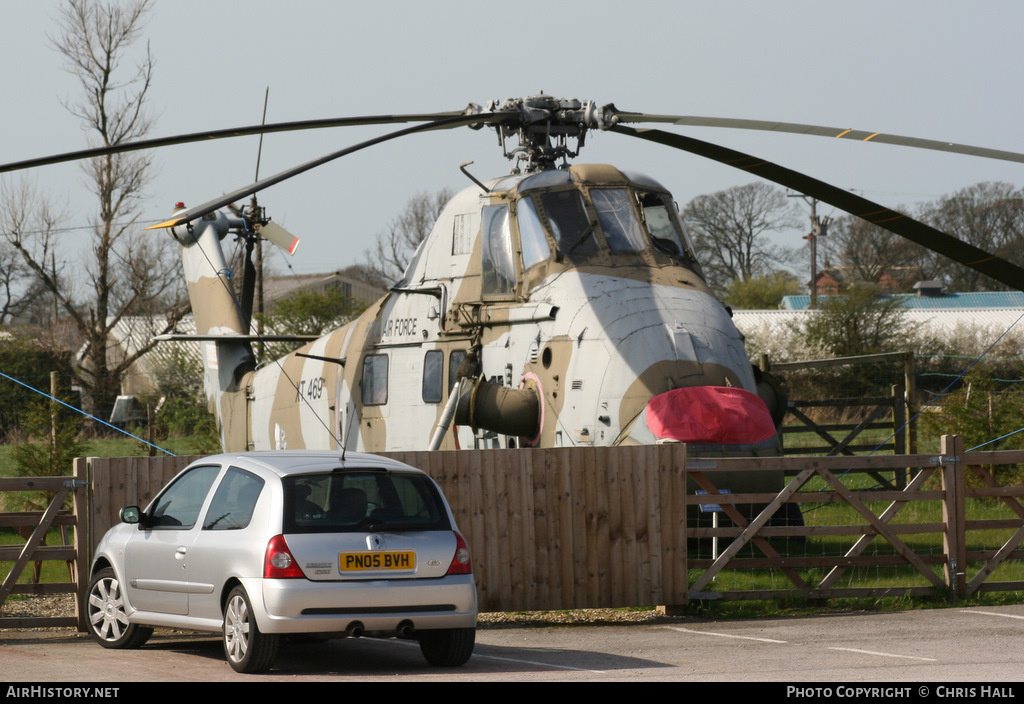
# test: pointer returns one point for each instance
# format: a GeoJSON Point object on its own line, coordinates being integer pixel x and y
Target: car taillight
{"type": "Point", "coordinates": [461, 564]}
{"type": "Point", "coordinates": [279, 562]}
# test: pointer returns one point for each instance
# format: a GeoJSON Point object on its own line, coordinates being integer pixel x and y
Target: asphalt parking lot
{"type": "Point", "coordinates": [951, 645]}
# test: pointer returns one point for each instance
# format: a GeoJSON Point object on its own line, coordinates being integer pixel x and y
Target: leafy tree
{"type": "Point", "coordinates": [22, 357]}
{"type": "Point", "coordinates": [312, 312]}
{"type": "Point", "coordinates": [856, 322]}
{"type": "Point", "coordinates": [982, 409]}
{"type": "Point", "coordinates": [762, 292]}
{"type": "Point", "coordinates": [730, 231]}
{"type": "Point", "coordinates": [53, 440]}
{"type": "Point", "coordinates": [309, 312]}
{"type": "Point", "coordinates": [397, 243]}
{"type": "Point", "coordinates": [182, 406]}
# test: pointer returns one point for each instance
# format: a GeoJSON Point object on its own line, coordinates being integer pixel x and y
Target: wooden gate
{"type": "Point", "coordinates": [887, 413]}
{"type": "Point", "coordinates": [35, 549]}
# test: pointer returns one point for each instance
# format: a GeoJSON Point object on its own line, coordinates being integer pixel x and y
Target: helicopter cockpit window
{"type": "Point", "coordinates": [499, 273]}
{"type": "Point", "coordinates": [455, 360]}
{"type": "Point", "coordinates": [433, 376]}
{"type": "Point", "coordinates": [375, 380]}
{"type": "Point", "coordinates": [531, 234]}
{"type": "Point", "coordinates": [665, 236]}
{"type": "Point", "coordinates": [569, 223]}
{"type": "Point", "coordinates": [618, 220]}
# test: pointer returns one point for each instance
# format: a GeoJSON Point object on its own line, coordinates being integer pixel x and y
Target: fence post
{"type": "Point", "coordinates": [899, 421]}
{"type": "Point", "coordinates": [954, 540]}
{"type": "Point", "coordinates": [83, 541]}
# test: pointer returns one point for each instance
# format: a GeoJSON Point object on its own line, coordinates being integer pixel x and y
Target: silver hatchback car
{"type": "Point", "coordinates": [263, 545]}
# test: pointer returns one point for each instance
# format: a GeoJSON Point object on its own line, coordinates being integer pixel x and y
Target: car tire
{"type": "Point", "coordinates": [246, 648]}
{"type": "Point", "coordinates": [108, 620]}
{"type": "Point", "coordinates": [447, 647]}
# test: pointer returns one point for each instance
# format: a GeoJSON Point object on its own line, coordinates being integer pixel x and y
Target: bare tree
{"type": "Point", "coordinates": [17, 292]}
{"type": "Point", "coordinates": [988, 215]}
{"type": "Point", "coordinates": [730, 229]}
{"type": "Point", "coordinates": [125, 275]}
{"type": "Point", "coordinates": [867, 250]}
{"type": "Point", "coordinates": [396, 245]}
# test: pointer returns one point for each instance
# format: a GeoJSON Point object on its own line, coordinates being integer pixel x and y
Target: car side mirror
{"type": "Point", "coordinates": [131, 514]}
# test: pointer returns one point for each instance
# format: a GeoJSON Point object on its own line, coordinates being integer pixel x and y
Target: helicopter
{"type": "Point", "coordinates": [559, 305]}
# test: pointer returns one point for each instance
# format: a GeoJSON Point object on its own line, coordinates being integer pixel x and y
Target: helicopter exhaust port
{"type": "Point", "coordinates": [502, 409]}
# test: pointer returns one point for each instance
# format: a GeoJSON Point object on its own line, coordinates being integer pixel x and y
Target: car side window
{"type": "Point", "coordinates": [179, 505]}
{"type": "Point", "coordinates": [234, 501]}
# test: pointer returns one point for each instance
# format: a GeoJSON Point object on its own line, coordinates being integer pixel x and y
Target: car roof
{"type": "Point", "coordinates": [285, 462]}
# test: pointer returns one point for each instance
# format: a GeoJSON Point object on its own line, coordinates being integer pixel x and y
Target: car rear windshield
{"type": "Point", "coordinates": [362, 500]}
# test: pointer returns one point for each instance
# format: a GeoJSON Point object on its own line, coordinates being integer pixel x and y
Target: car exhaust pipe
{"type": "Point", "coordinates": [355, 630]}
{"type": "Point", "coordinates": [405, 629]}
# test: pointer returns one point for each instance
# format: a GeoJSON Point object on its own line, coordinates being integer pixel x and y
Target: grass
{"type": "Point", "coordinates": [113, 447]}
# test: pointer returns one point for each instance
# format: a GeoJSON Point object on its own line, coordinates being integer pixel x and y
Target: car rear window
{"type": "Point", "coordinates": [362, 500]}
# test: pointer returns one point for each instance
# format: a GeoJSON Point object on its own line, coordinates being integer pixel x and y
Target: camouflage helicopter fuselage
{"type": "Point", "coordinates": [564, 300]}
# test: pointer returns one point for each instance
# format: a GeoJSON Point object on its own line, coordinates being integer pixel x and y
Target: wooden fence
{"type": "Point", "coordinates": [622, 527]}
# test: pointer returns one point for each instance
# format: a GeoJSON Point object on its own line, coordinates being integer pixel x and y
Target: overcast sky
{"type": "Point", "coordinates": [934, 69]}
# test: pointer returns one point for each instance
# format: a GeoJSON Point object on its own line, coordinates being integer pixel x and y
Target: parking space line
{"type": "Point", "coordinates": [721, 635]}
{"type": "Point", "coordinates": [884, 655]}
{"type": "Point", "coordinates": [991, 613]}
{"type": "Point", "coordinates": [536, 664]}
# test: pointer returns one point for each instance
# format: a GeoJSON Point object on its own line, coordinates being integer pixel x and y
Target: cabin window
{"type": "Point", "coordinates": [455, 360]}
{"type": "Point", "coordinates": [662, 226]}
{"type": "Point", "coordinates": [375, 380]}
{"type": "Point", "coordinates": [433, 376]}
{"type": "Point", "coordinates": [499, 274]}
{"type": "Point", "coordinates": [531, 234]}
{"type": "Point", "coordinates": [618, 220]}
{"type": "Point", "coordinates": [570, 223]}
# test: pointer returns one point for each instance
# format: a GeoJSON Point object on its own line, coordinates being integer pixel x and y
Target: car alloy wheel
{"type": "Point", "coordinates": [245, 646]}
{"type": "Point", "coordinates": [108, 620]}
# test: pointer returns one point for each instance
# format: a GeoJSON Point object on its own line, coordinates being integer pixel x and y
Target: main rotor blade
{"type": "Point", "coordinates": [820, 131]}
{"type": "Point", "coordinates": [903, 225]}
{"type": "Point", "coordinates": [198, 211]}
{"type": "Point", "coordinates": [228, 133]}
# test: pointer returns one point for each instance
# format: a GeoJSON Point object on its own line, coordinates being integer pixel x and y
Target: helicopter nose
{"type": "Point", "coordinates": [705, 415]}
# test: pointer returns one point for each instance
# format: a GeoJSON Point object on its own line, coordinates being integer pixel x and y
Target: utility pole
{"type": "Point", "coordinates": [819, 228]}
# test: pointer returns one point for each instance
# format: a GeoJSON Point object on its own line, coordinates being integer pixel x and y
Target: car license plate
{"type": "Point", "coordinates": [358, 561]}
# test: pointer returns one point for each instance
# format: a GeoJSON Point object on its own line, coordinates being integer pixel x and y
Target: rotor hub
{"type": "Point", "coordinates": [548, 129]}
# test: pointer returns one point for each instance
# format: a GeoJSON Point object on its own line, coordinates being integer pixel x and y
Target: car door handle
{"type": "Point", "coordinates": [179, 554]}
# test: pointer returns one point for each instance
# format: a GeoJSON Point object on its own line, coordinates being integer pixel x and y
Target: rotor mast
{"type": "Point", "coordinates": [545, 127]}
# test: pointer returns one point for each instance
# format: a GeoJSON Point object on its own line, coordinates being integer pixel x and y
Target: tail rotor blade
{"type": "Point", "coordinates": [279, 236]}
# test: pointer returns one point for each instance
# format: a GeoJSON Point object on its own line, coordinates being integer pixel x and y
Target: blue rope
{"type": "Point", "coordinates": [87, 415]}
{"type": "Point", "coordinates": [1014, 432]}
